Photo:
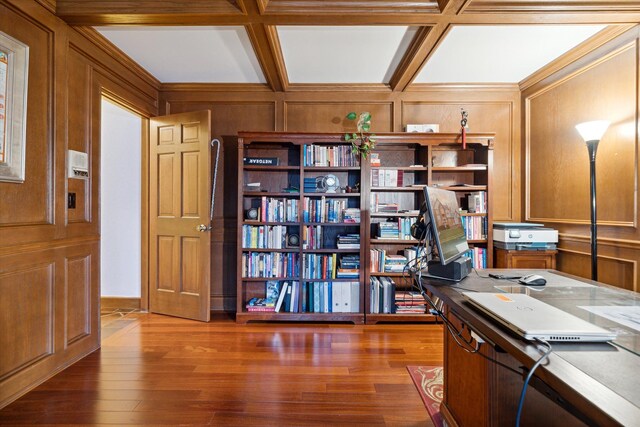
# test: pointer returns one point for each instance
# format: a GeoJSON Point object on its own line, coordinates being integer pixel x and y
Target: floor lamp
{"type": "Point", "coordinates": [592, 132]}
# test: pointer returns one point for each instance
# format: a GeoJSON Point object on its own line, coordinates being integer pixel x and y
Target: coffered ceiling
{"type": "Point", "coordinates": [386, 44]}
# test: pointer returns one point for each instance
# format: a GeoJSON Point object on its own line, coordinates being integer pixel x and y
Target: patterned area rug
{"type": "Point", "coordinates": [429, 382]}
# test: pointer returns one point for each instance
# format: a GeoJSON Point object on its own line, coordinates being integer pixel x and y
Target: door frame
{"type": "Point", "coordinates": [144, 191]}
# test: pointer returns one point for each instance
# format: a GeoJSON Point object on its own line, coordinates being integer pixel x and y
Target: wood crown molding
{"type": "Point", "coordinates": [295, 7]}
{"type": "Point", "coordinates": [100, 41]}
{"type": "Point", "coordinates": [520, 6]}
{"type": "Point", "coordinates": [463, 87]}
{"type": "Point", "coordinates": [214, 87]}
{"type": "Point", "coordinates": [50, 5]}
{"type": "Point", "coordinates": [601, 38]}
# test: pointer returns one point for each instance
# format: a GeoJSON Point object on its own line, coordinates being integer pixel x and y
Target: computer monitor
{"type": "Point", "coordinates": [447, 232]}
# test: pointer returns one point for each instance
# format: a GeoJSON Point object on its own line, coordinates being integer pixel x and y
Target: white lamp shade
{"type": "Point", "coordinates": [592, 131]}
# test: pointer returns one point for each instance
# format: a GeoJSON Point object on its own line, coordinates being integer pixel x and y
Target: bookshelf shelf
{"type": "Point", "coordinates": [270, 194]}
{"type": "Point", "coordinates": [443, 164]}
{"type": "Point", "coordinates": [271, 168]}
{"type": "Point", "coordinates": [393, 189]}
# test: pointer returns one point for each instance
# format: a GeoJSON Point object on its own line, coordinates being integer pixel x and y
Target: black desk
{"type": "Point", "coordinates": [595, 384]}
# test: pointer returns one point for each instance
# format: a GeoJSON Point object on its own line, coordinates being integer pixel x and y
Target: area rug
{"type": "Point", "coordinates": [429, 382]}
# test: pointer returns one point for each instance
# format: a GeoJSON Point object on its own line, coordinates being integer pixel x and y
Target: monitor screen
{"type": "Point", "coordinates": [446, 223]}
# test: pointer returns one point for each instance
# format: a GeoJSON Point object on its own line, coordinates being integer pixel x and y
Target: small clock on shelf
{"type": "Point", "coordinates": [327, 184]}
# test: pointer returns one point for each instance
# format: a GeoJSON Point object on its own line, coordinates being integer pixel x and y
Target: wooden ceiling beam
{"type": "Point", "coordinates": [266, 45]}
{"type": "Point", "coordinates": [421, 48]}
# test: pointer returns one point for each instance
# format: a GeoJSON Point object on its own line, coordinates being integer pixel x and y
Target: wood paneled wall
{"type": "Point", "coordinates": [50, 255]}
{"type": "Point", "coordinates": [603, 84]}
{"type": "Point", "coordinates": [491, 109]}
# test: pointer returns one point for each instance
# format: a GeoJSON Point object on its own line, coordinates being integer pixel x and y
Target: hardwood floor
{"type": "Point", "coordinates": [155, 369]}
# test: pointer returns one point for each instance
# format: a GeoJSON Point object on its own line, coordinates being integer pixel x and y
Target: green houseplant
{"type": "Point", "coordinates": [361, 141]}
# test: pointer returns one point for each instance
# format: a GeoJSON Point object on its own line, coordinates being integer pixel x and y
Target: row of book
{"type": "Point", "coordinates": [318, 266]}
{"type": "Point", "coordinates": [321, 155]}
{"type": "Point", "coordinates": [329, 210]}
{"type": "Point", "coordinates": [477, 202]}
{"type": "Point", "coordinates": [279, 209]}
{"type": "Point", "coordinates": [387, 178]}
{"type": "Point", "coordinates": [478, 257]}
{"type": "Point", "coordinates": [475, 227]}
{"type": "Point", "coordinates": [348, 241]}
{"type": "Point", "coordinates": [386, 299]}
{"type": "Point", "coordinates": [383, 262]}
{"type": "Point", "coordinates": [264, 236]}
{"type": "Point", "coordinates": [308, 297]}
{"type": "Point", "coordinates": [270, 264]}
{"type": "Point", "coordinates": [399, 229]}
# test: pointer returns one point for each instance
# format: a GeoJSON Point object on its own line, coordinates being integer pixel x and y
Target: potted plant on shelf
{"type": "Point", "coordinates": [361, 141]}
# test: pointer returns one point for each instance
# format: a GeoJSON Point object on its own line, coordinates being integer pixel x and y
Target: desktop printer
{"type": "Point", "coordinates": [524, 236]}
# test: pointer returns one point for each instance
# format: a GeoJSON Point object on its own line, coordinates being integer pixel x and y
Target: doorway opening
{"type": "Point", "coordinates": [120, 211]}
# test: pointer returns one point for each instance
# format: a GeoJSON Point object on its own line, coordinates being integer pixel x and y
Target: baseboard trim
{"type": "Point", "coordinates": [114, 303]}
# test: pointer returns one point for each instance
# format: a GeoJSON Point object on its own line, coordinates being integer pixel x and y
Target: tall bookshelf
{"type": "Point", "coordinates": [422, 159]}
{"type": "Point", "coordinates": [408, 162]}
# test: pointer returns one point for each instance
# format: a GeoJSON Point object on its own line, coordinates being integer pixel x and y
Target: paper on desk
{"type": "Point", "coordinates": [627, 315]}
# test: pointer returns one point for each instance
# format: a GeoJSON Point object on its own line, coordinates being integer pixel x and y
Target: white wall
{"type": "Point", "coordinates": [120, 205]}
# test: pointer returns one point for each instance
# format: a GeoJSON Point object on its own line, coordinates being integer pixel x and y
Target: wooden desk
{"type": "Point", "coordinates": [595, 384]}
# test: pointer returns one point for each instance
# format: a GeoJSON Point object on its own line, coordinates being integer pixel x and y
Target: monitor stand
{"type": "Point", "coordinates": [455, 271]}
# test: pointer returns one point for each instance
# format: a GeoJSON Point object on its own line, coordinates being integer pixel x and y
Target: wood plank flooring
{"type": "Point", "coordinates": [160, 370]}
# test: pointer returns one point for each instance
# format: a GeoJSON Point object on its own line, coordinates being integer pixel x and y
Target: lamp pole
{"type": "Point", "coordinates": [592, 146]}
{"type": "Point", "coordinates": [592, 133]}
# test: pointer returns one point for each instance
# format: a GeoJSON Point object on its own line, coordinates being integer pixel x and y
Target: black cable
{"type": "Point", "coordinates": [529, 375]}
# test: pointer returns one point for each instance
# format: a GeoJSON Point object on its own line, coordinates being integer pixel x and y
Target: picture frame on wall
{"type": "Point", "coordinates": [14, 75]}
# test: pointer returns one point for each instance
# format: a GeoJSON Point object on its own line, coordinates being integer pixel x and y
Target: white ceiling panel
{"type": "Point", "coordinates": [190, 54]}
{"type": "Point", "coordinates": [343, 54]}
{"type": "Point", "coordinates": [500, 53]}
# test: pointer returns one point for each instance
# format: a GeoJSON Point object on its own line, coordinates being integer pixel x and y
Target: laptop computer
{"type": "Point", "coordinates": [531, 318]}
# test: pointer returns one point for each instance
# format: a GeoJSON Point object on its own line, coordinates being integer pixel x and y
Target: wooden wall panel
{"type": "Point", "coordinates": [31, 202]}
{"type": "Point", "coordinates": [49, 255]}
{"type": "Point", "coordinates": [78, 295]}
{"type": "Point", "coordinates": [601, 85]}
{"type": "Point", "coordinates": [330, 116]}
{"type": "Point", "coordinates": [483, 117]}
{"type": "Point", "coordinates": [558, 157]}
{"type": "Point", "coordinates": [26, 304]}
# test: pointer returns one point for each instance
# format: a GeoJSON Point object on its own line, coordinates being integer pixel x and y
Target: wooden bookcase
{"type": "Point", "coordinates": [398, 151]}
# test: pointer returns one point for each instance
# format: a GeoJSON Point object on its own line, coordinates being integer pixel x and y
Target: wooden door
{"type": "Point", "coordinates": [179, 197]}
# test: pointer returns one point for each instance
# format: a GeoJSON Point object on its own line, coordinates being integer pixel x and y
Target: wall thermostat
{"type": "Point", "coordinates": [77, 164]}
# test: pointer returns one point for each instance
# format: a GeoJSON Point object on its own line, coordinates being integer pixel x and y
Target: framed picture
{"type": "Point", "coordinates": [14, 73]}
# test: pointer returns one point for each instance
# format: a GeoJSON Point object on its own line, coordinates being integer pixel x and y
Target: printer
{"type": "Point", "coordinates": [524, 236]}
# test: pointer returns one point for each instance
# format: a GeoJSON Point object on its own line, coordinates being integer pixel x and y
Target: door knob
{"type": "Point", "coordinates": [202, 228]}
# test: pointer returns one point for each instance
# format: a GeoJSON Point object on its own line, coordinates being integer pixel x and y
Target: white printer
{"type": "Point", "coordinates": [524, 236]}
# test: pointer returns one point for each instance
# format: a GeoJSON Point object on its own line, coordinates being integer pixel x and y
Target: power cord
{"type": "Point", "coordinates": [542, 358]}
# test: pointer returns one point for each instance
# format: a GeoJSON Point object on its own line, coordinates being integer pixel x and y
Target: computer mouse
{"type": "Point", "coordinates": [533, 280]}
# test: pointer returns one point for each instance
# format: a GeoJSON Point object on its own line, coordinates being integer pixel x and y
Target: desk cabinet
{"type": "Point", "coordinates": [543, 260]}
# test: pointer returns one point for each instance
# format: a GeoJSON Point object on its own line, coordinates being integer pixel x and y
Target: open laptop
{"type": "Point", "coordinates": [531, 318]}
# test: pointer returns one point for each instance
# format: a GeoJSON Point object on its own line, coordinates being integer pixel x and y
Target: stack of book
{"type": "Point", "coordinates": [349, 267]}
{"type": "Point", "coordinates": [348, 241]}
{"type": "Point", "coordinates": [261, 304]}
{"type": "Point", "coordinates": [310, 185]}
{"type": "Point", "coordinates": [388, 230]}
{"type": "Point", "coordinates": [394, 263]}
{"type": "Point", "coordinates": [351, 215]}
{"type": "Point", "coordinates": [374, 158]}
{"type": "Point", "coordinates": [410, 303]}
